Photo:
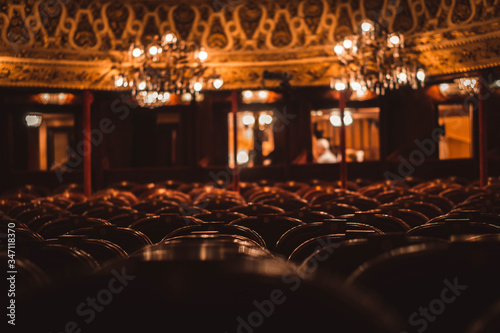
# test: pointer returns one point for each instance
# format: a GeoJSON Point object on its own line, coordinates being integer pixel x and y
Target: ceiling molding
{"type": "Point", "coordinates": [83, 44]}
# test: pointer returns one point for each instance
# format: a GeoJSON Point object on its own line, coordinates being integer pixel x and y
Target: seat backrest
{"type": "Point", "coordinates": [217, 229]}
{"type": "Point", "coordinates": [450, 228]}
{"type": "Point", "coordinates": [257, 209]}
{"type": "Point", "coordinates": [219, 216]}
{"type": "Point", "coordinates": [103, 251]}
{"type": "Point", "coordinates": [383, 222]}
{"type": "Point", "coordinates": [128, 239]}
{"type": "Point", "coordinates": [308, 216]}
{"type": "Point", "coordinates": [55, 228]}
{"type": "Point", "coordinates": [157, 227]}
{"type": "Point", "coordinates": [269, 227]}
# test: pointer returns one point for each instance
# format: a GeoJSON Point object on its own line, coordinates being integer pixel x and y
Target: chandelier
{"type": "Point", "coordinates": [166, 67]}
{"type": "Point", "coordinates": [374, 60]}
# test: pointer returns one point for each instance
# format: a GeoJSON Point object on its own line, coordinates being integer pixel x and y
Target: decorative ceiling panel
{"type": "Point", "coordinates": [83, 44]}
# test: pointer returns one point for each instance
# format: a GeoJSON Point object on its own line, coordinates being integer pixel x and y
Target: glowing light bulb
{"type": "Point", "coordinates": [247, 94]}
{"type": "Point", "coordinates": [347, 119]}
{"type": "Point", "coordinates": [154, 50]}
{"type": "Point", "coordinates": [355, 86]}
{"type": "Point", "coordinates": [444, 87]}
{"type": "Point", "coordinates": [137, 52]}
{"type": "Point", "coordinates": [242, 157]}
{"type": "Point", "coordinates": [218, 83]}
{"type": "Point", "coordinates": [202, 55]}
{"type": "Point", "coordinates": [33, 120]}
{"type": "Point", "coordinates": [402, 77]}
{"type": "Point", "coordinates": [141, 85]}
{"type": "Point", "coordinates": [198, 86]}
{"type": "Point", "coordinates": [169, 38]}
{"type": "Point", "coordinates": [367, 26]}
{"type": "Point", "coordinates": [263, 94]}
{"type": "Point", "coordinates": [394, 40]}
{"type": "Point", "coordinates": [248, 120]}
{"type": "Point", "coordinates": [421, 75]}
{"type": "Point", "coordinates": [347, 44]}
{"type": "Point", "coordinates": [339, 86]}
{"type": "Point", "coordinates": [119, 81]}
{"type": "Point", "coordinates": [186, 97]}
{"type": "Point", "coordinates": [339, 49]}
{"type": "Point", "coordinates": [265, 119]}
{"type": "Point", "coordinates": [335, 120]}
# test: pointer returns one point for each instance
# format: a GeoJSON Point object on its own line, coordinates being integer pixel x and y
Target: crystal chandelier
{"type": "Point", "coordinates": [374, 60]}
{"type": "Point", "coordinates": [166, 67]}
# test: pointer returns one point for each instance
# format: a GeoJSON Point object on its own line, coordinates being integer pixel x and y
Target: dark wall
{"type": "Point", "coordinates": [202, 140]}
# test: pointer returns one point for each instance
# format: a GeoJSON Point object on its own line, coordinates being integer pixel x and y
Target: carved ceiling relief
{"type": "Point", "coordinates": [274, 31]}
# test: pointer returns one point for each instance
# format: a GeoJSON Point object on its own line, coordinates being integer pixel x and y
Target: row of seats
{"type": "Point", "coordinates": [388, 242]}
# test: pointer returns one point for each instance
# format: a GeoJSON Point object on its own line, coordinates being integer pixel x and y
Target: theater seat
{"type": "Point", "coordinates": [383, 222]}
{"type": "Point", "coordinates": [308, 216]}
{"type": "Point", "coordinates": [157, 227]}
{"type": "Point", "coordinates": [342, 259]}
{"type": "Point", "coordinates": [269, 227]}
{"type": "Point", "coordinates": [216, 284]}
{"type": "Point", "coordinates": [128, 239]}
{"type": "Point", "coordinates": [217, 229]}
{"type": "Point", "coordinates": [219, 216]}
{"type": "Point", "coordinates": [451, 228]}
{"type": "Point", "coordinates": [442, 287]}
{"type": "Point", "coordinates": [55, 228]}
{"type": "Point", "coordinates": [256, 209]}
{"type": "Point", "coordinates": [294, 237]}
{"type": "Point", "coordinates": [103, 251]}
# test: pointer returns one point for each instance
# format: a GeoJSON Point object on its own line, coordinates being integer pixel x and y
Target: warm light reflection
{"type": "Point", "coordinates": [33, 120]}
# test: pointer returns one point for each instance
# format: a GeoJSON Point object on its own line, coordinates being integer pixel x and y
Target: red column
{"type": "Point", "coordinates": [483, 144]}
{"type": "Point", "coordinates": [236, 170]}
{"type": "Point", "coordinates": [344, 95]}
{"type": "Point", "coordinates": [88, 98]}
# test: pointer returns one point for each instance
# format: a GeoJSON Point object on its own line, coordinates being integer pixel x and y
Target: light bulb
{"type": "Point", "coordinates": [366, 26]}
{"type": "Point", "coordinates": [339, 86]}
{"type": "Point", "coordinates": [198, 86]}
{"type": "Point", "coordinates": [154, 50]}
{"type": "Point", "coordinates": [33, 120]}
{"type": "Point", "coordinates": [402, 77]}
{"type": "Point", "coordinates": [119, 81]}
{"type": "Point", "coordinates": [444, 87]}
{"type": "Point", "coordinates": [335, 120]}
{"type": "Point", "coordinates": [202, 55]}
{"type": "Point", "coordinates": [265, 119]}
{"type": "Point", "coordinates": [186, 97]}
{"type": "Point", "coordinates": [218, 83]}
{"type": "Point", "coordinates": [339, 49]}
{"type": "Point", "coordinates": [361, 92]}
{"type": "Point", "coordinates": [137, 52]}
{"type": "Point", "coordinates": [247, 94]}
{"type": "Point", "coordinates": [141, 85]}
{"type": "Point", "coordinates": [169, 38]}
{"type": "Point", "coordinates": [248, 120]}
{"type": "Point", "coordinates": [347, 119]}
{"type": "Point", "coordinates": [421, 75]}
{"type": "Point", "coordinates": [347, 44]}
{"type": "Point", "coordinates": [393, 40]}
{"type": "Point", "coordinates": [242, 157]}
{"type": "Point", "coordinates": [263, 94]}
{"type": "Point", "coordinates": [355, 86]}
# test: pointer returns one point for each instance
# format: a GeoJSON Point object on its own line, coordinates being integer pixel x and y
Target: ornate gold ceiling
{"type": "Point", "coordinates": [82, 44]}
